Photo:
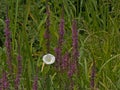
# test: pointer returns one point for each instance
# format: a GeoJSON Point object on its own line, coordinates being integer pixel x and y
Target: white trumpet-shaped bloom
{"type": "Point", "coordinates": [48, 59]}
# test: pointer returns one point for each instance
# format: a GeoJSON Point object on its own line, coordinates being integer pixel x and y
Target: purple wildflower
{"type": "Point", "coordinates": [4, 81]}
{"type": "Point", "coordinates": [58, 50]}
{"type": "Point", "coordinates": [92, 83]}
{"type": "Point", "coordinates": [8, 42]}
{"type": "Point", "coordinates": [65, 61]}
{"type": "Point", "coordinates": [19, 59]}
{"type": "Point", "coordinates": [58, 56]}
{"type": "Point", "coordinates": [17, 80]}
{"type": "Point", "coordinates": [71, 69]}
{"type": "Point", "coordinates": [47, 32]}
{"type": "Point", "coordinates": [61, 31]}
{"type": "Point", "coordinates": [35, 84]}
{"type": "Point", "coordinates": [75, 53]}
{"type": "Point", "coordinates": [75, 40]}
{"type": "Point", "coordinates": [1, 84]}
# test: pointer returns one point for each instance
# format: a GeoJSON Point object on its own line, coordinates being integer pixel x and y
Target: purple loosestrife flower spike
{"type": "Point", "coordinates": [8, 42]}
{"type": "Point", "coordinates": [58, 50]}
{"type": "Point", "coordinates": [92, 82]}
{"type": "Point", "coordinates": [75, 40]}
{"type": "Point", "coordinates": [35, 83]}
{"type": "Point", "coordinates": [58, 55]}
{"type": "Point", "coordinates": [75, 53]}
{"type": "Point", "coordinates": [19, 59]}
{"type": "Point", "coordinates": [4, 81]}
{"type": "Point", "coordinates": [71, 70]}
{"type": "Point", "coordinates": [65, 61]}
{"type": "Point", "coordinates": [1, 84]}
{"type": "Point", "coordinates": [17, 80]}
{"type": "Point", "coordinates": [47, 32]}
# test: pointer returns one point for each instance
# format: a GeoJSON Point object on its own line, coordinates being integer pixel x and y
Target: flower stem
{"type": "Point", "coordinates": [42, 67]}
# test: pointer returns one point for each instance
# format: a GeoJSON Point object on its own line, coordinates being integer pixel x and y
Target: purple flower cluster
{"type": "Point", "coordinates": [75, 40]}
{"type": "Point", "coordinates": [47, 32]}
{"type": "Point", "coordinates": [65, 61]}
{"type": "Point", "coordinates": [75, 52]}
{"type": "Point", "coordinates": [8, 43]}
{"type": "Point", "coordinates": [71, 69]}
{"type": "Point", "coordinates": [61, 32]}
{"type": "Point", "coordinates": [17, 80]}
{"type": "Point", "coordinates": [35, 83]}
{"type": "Point", "coordinates": [4, 84]}
{"type": "Point", "coordinates": [58, 50]}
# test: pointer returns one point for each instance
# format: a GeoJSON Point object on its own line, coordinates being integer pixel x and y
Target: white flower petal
{"type": "Point", "coordinates": [48, 59]}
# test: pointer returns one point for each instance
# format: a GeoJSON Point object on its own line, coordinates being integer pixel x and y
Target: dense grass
{"type": "Point", "coordinates": [98, 24]}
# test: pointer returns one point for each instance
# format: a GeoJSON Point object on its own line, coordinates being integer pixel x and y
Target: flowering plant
{"type": "Point", "coordinates": [48, 59]}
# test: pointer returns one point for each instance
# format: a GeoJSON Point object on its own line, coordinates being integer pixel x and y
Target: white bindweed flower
{"type": "Point", "coordinates": [48, 59]}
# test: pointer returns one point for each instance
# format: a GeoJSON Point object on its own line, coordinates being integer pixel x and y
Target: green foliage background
{"type": "Point", "coordinates": [99, 40]}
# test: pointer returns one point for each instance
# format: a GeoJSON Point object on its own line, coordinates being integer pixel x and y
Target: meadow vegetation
{"type": "Point", "coordinates": [97, 25]}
